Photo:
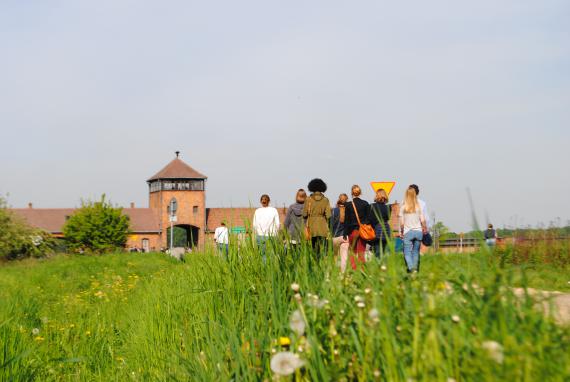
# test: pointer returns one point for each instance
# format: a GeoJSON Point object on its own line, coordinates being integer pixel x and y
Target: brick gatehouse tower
{"type": "Point", "coordinates": [180, 185]}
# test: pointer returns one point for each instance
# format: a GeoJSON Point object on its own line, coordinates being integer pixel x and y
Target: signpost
{"type": "Point", "coordinates": [387, 186]}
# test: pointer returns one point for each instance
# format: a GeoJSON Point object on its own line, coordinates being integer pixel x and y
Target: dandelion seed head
{"type": "Point", "coordinates": [297, 323]}
{"type": "Point", "coordinates": [35, 331]}
{"type": "Point", "coordinates": [494, 350]}
{"type": "Point", "coordinates": [374, 315]}
{"type": "Point", "coordinates": [285, 363]}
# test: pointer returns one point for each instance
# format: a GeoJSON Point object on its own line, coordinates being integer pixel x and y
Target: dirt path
{"type": "Point", "coordinates": [560, 302]}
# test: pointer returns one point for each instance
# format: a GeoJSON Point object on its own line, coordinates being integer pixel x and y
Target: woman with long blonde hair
{"type": "Point", "coordinates": [412, 229]}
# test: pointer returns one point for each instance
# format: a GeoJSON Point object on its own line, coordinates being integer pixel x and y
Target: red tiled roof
{"type": "Point", "coordinates": [177, 169]}
{"type": "Point", "coordinates": [53, 219]}
{"type": "Point", "coordinates": [234, 217]}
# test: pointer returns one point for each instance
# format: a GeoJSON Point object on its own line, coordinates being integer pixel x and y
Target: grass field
{"type": "Point", "coordinates": [145, 317]}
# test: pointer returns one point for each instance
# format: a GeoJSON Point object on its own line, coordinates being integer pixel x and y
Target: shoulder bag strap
{"type": "Point", "coordinates": [356, 213]}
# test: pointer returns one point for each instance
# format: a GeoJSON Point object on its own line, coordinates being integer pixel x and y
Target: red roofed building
{"type": "Point", "coordinates": [176, 184]}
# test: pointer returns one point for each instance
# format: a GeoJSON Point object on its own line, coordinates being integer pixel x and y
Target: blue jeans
{"type": "Point", "coordinates": [412, 243]}
{"type": "Point", "coordinates": [262, 243]}
{"type": "Point", "coordinates": [223, 249]}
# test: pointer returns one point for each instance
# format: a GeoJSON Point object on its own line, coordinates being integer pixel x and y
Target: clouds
{"type": "Point", "coordinates": [262, 97]}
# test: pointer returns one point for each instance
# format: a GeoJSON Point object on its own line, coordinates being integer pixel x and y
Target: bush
{"type": "Point", "coordinates": [97, 227]}
{"type": "Point", "coordinates": [19, 240]}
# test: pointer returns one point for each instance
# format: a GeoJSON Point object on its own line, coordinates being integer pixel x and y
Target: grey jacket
{"type": "Point", "coordinates": [294, 222]}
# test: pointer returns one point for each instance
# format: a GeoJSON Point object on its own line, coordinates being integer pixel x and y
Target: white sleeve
{"type": "Point", "coordinates": [277, 223]}
{"type": "Point", "coordinates": [426, 215]}
{"type": "Point", "coordinates": [254, 223]}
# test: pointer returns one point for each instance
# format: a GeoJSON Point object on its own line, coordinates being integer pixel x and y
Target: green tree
{"type": "Point", "coordinates": [97, 226]}
{"type": "Point", "coordinates": [441, 232]}
{"type": "Point", "coordinates": [19, 240]}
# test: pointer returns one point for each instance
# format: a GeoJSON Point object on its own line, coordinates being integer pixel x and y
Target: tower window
{"type": "Point", "coordinates": [195, 209]}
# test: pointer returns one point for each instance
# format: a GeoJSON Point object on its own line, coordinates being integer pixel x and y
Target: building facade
{"type": "Point", "coordinates": [177, 199]}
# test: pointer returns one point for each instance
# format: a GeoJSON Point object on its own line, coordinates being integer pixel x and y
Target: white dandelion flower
{"type": "Point", "coordinates": [285, 363]}
{"type": "Point", "coordinates": [494, 350]}
{"type": "Point", "coordinates": [374, 315]}
{"type": "Point", "coordinates": [297, 323]}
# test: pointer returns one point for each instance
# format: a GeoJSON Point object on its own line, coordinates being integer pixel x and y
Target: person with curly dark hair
{"type": "Point", "coordinates": [317, 211]}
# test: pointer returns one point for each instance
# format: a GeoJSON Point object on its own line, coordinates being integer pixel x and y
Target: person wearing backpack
{"type": "Point", "coordinates": [380, 220]}
{"type": "Point", "coordinates": [356, 214]}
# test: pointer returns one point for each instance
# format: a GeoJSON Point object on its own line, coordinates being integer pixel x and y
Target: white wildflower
{"type": "Point", "coordinates": [377, 373]}
{"type": "Point", "coordinates": [367, 290]}
{"type": "Point", "coordinates": [316, 302]}
{"type": "Point", "coordinates": [285, 363]}
{"type": "Point", "coordinates": [358, 298]}
{"type": "Point", "coordinates": [455, 318]}
{"type": "Point", "coordinates": [35, 331]}
{"type": "Point", "coordinates": [297, 323]}
{"type": "Point", "coordinates": [298, 297]}
{"type": "Point", "coordinates": [494, 350]}
{"type": "Point", "coordinates": [383, 267]}
{"type": "Point", "coordinates": [374, 315]}
{"type": "Point", "coordinates": [295, 287]}
{"type": "Point", "coordinates": [361, 304]}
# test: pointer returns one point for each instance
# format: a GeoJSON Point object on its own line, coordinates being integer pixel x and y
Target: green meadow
{"type": "Point", "coordinates": [147, 317]}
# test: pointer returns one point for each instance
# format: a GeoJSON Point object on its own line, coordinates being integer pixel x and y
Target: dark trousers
{"type": "Point", "coordinates": [319, 245]}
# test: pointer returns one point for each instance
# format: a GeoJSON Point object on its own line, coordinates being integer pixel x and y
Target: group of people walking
{"type": "Point", "coordinates": [312, 218]}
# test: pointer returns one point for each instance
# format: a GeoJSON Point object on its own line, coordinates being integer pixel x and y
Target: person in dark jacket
{"type": "Point", "coordinates": [294, 222]}
{"type": "Point", "coordinates": [340, 244]}
{"type": "Point", "coordinates": [380, 220]}
{"type": "Point", "coordinates": [317, 210]}
{"type": "Point", "coordinates": [351, 226]}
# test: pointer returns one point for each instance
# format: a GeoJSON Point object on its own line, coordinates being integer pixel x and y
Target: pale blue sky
{"type": "Point", "coordinates": [261, 96]}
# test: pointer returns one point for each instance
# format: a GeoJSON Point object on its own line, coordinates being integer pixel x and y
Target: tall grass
{"type": "Point", "coordinates": [147, 317]}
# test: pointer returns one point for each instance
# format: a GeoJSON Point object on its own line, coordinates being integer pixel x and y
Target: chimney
{"type": "Point", "coordinates": [30, 205]}
{"type": "Point", "coordinates": [132, 204]}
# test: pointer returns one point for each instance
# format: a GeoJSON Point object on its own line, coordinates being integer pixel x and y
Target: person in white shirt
{"type": "Point", "coordinates": [222, 239]}
{"type": "Point", "coordinates": [423, 206]}
{"type": "Point", "coordinates": [265, 224]}
{"type": "Point", "coordinates": [412, 229]}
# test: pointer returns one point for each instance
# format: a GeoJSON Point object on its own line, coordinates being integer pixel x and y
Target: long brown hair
{"type": "Point", "coordinates": [411, 201]}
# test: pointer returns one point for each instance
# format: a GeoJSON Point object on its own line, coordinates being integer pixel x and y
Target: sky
{"type": "Point", "coordinates": [262, 96]}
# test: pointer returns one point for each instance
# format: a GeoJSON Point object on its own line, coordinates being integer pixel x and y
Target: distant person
{"type": "Point", "coordinates": [294, 222]}
{"type": "Point", "coordinates": [423, 205]}
{"type": "Point", "coordinates": [265, 224]}
{"type": "Point", "coordinates": [490, 236]}
{"type": "Point", "coordinates": [380, 220]}
{"type": "Point", "coordinates": [317, 211]}
{"type": "Point", "coordinates": [222, 239]}
{"type": "Point", "coordinates": [412, 228]}
{"type": "Point", "coordinates": [340, 243]}
{"type": "Point", "coordinates": [351, 226]}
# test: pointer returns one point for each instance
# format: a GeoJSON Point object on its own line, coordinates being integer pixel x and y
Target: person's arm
{"type": "Point", "coordinates": [328, 212]}
{"type": "Point", "coordinates": [426, 215]}
{"type": "Point", "coordinates": [401, 219]}
{"type": "Point", "coordinates": [288, 218]}
{"type": "Point", "coordinates": [423, 221]}
{"type": "Point", "coordinates": [306, 208]}
{"type": "Point", "coordinates": [276, 220]}
{"type": "Point", "coordinates": [347, 219]}
{"type": "Point", "coordinates": [373, 215]}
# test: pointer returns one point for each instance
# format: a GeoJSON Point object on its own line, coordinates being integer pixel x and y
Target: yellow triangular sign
{"type": "Point", "coordinates": [387, 186]}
